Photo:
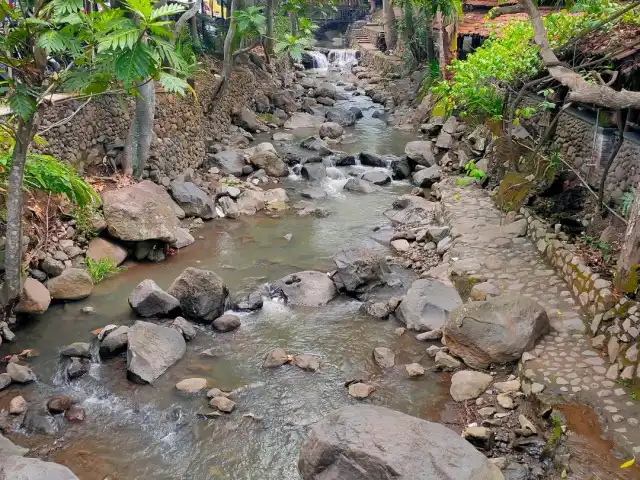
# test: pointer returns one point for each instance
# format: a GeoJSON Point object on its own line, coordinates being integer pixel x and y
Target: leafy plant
{"type": "Point", "coordinates": [601, 245]}
{"type": "Point", "coordinates": [83, 217]}
{"type": "Point", "coordinates": [101, 269]}
{"type": "Point", "coordinates": [250, 22]}
{"type": "Point", "coordinates": [627, 201]}
{"type": "Point", "coordinates": [472, 174]}
{"type": "Point", "coordinates": [293, 46]}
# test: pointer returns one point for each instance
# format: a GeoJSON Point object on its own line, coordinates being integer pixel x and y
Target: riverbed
{"type": "Point", "coordinates": [154, 432]}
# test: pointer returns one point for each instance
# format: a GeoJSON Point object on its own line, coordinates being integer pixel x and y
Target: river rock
{"type": "Point", "coordinates": [427, 305]}
{"type": "Point", "coordinates": [194, 201]}
{"type": "Point", "coordinates": [361, 442]}
{"type": "Point", "coordinates": [315, 193]}
{"type": "Point", "coordinates": [229, 207]}
{"type": "Point", "coordinates": [357, 112]}
{"type": "Point", "coordinates": [306, 362]}
{"type": "Point", "coordinates": [5, 381]}
{"type": "Point", "coordinates": [331, 130]}
{"type": "Point", "coordinates": [399, 166]}
{"type": "Point", "coordinates": [100, 248]}
{"type": "Point", "coordinates": [226, 323]}
{"type": "Point", "coordinates": [77, 349]}
{"type": "Point", "coordinates": [326, 89]}
{"type": "Point", "coordinates": [308, 288]}
{"type": "Point", "coordinates": [149, 300]}
{"type": "Point", "coordinates": [360, 186]}
{"type": "Point", "coordinates": [59, 404]}
{"type": "Point", "coordinates": [51, 266]}
{"type": "Point", "coordinates": [498, 330]}
{"type": "Point", "coordinates": [77, 367]}
{"type": "Point", "coordinates": [377, 177]}
{"type": "Point", "coordinates": [283, 137]}
{"type": "Point", "coordinates": [250, 302]}
{"type": "Point", "coordinates": [276, 358]}
{"type": "Point", "coordinates": [341, 116]}
{"type": "Point", "coordinates": [468, 384]}
{"type": "Point", "coordinates": [183, 239]}
{"type": "Point", "coordinates": [230, 162]}
{"type": "Point", "coordinates": [139, 213]}
{"type": "Point", "coordinates": [411, 210]}
{"type": "Point", "coordinates": [271, 163]}
{"type": "Point", "coordinates": [246, 119]}
{"type": "Point", "coordinates": [372, 159]}
{"type": "Point", "coordinates": [17, 405]}
{"type": "Point", "coordinates": [23, 468]}
{"type": "Point", "coordinates": [314, 172]}
{"type": "Point", "coordinates": [152, 350]}
{"type": "Point", "coordinates": [114, 342]}
{"type": "Point", "coordinates": [414, 370]}
{"type": "Point", "coordinates": [379, 310]}
{"type": "Point", "coordinates": [202, 294]}
{"type": "Point", "coordinates": [250, 202]}
{"type": "Point", "coordinates": [223, 404]}
{"type": "Point", "coordinates": [35, 297]}
{"type": "Point", "coordinates": [421, 152]}
{"type": "Point", "coordinates": [302, 120]}
{"type": "Point", "coordinates": [8, 448]}
{"type": "Point", "coordinates": [359, 269]}
{"type": "Point", "coordinates": [361, 390]}
{"type": "Point", "coordinates": [72, 284]}
{"type": "Point", "coordinates": [315, 144]}
{"type": "Point", "coordinates": [75, 414]}
{"type": "Point", "coordinates": [191, 385]}
{"type": "Point", "coordinates": [185, 327]}
{"type": "Point", "coordinates": [384, 357]}
{"type": "Point", "coordinates": [446, 362]}
{"type": "Point", "coordinates": [426, 177]}
{"type": "Point", "coordinates": [20, 373]}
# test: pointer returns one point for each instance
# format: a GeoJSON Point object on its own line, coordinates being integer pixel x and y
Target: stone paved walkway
{"type": "Point", "coordinates": [563, 361]}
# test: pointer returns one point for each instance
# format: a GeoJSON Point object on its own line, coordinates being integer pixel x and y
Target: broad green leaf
{"type": "Point", "coordinates": [52, 41]}
{"type": "Point", "coordinates": [36, 21]}
{"type": "Point", "coordinates": [166, 11]}
{"type": "Point", "coordinates": [120, 40]}
{"type": "Point", "coordinates": [172, 84]}
{"type": "Point", "coordinates": [141, 7]}
{"type": "Point", "coordinates": [134, 65]}
{"type": "Point", "coordinates": [159, 29]}
{"type": "Point", "coordinates": [67, 6]}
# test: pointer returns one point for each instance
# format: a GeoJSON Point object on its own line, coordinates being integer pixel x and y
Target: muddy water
{"type": "Point", "coordinates": [152, 432]}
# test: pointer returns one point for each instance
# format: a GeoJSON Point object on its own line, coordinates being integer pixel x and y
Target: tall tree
{"type": "Point", "coordinates": [389, 24]}
{"type": "Point", "coordinates": [103, 50]}
{"type": "Point", "coordinates": [270, 41]}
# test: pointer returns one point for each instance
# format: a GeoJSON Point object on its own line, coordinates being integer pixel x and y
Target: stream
{"type": "Point", "coordinates": [154, 432]}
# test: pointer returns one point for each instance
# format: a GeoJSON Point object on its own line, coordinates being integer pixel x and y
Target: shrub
{"type": "Point", "coordinates": [101, 269]}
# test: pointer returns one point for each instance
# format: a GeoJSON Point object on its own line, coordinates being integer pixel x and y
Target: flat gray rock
{"type": "Point", "coordinates": [152, 350]}
{"type": "Point", "coordinates": [427, 305]}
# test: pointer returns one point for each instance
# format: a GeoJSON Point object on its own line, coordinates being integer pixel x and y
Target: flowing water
{"type": "Point", "coordinates": [153, 432]}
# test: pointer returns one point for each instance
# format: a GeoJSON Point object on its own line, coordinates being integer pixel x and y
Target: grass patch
{"type": "Point", "coordinates": [268, 118]}
{"type": "Point", "coordinates": [102, 269]}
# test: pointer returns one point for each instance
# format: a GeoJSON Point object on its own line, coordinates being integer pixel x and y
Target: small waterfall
{"type": "Point", "coordinates": [319, 60]}
{"type": "Point", "coordinates": [343, 58]}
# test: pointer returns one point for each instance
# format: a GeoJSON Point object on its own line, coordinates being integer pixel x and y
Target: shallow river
{"type": "Point", "coordinates": [153, 432]}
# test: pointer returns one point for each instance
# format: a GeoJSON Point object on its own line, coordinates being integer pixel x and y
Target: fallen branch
{"type": "Point", "coordinates": [64, 120]}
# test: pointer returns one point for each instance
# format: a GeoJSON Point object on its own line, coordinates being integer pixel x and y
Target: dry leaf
{"type": "Point", "coordinates": [628, 464]}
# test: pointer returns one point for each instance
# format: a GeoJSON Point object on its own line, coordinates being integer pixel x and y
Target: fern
{"type": "Point", "coordinates": [166, 11]}
{"type": "Point", "coordinates": [142, 8]}
{"type": "Point", "coordinates": [121, 39]}
{"type": "Point", "coordinates": [627, 201]}
{"type": "Point", "coordinates": [173, 84]}
{"type": "Point", "coordinates": [52, 41]}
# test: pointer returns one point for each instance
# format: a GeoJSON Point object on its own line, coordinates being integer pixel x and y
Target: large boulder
{"type": "Point", "coordinates": [246, 119]}
{"type": "Point", "coordinates": [314, 172]}
{"type": "Point", "coordinates": [160, 191]}
{"type": "Point", "coordinates": [149, 300]}
{"type": "Point", "coordinates": [399, 166]}
{"type": "Point", "coordinates": [270, 162]}
{"type": "Point", "coordinates": [136, 213]}
{"type": "Point", "coordinates": [194, 201]}
{"type": "Point", "coordinates": [326, 89]}
{"type": "Point", "coordinates": [100, 248]}
{"type": "Point", "coordinates": [372, 159]}
{"type": "Point", "coordinates": [342, 116]}
{"type": "Point", "coordinates": [358, 269]}
{"type": "Point", "coordinates": [152, 350]}
{"type": "Point", "coordinates": [229, 162]}
{"type": "Point", "coordinates": [302, 120]}
{"type": "Point", "coordinates": [360, 185]}
{"type": "Point", "coordinates": [427, 305]}
{"type": "Point", "coordinates": [308, 288]}
{"type": "Point", "coordinates": [250, 202]}
{"type": "Point", "coordinates": [202, 294]}
{"type": "Point", "coordinates": [114, 342]}
{"type": "Point", "coordinates": [498, 330]}
{"type": "Point", "coordinates": [411, 210]}
{"type": "Point", "coordinates": [365, 442]}
{"type": "Point", "coordinates": [331, 130]}
{"type": "Point", "coordinates": [35, 298]}
{"type": "Point", "coordinates": [469, 385]}
{"type": "Point", "coordinates": [72, 284]}
{"type": "Point", "coordinates": [421, 152]}
{"type": "Point", "coordinates": [427, 176]}
{"type": "Point", "coordinates": [22, 468]}
{"type": "Point", "coordinates": [377, 177]}
{"type": "Point", "coordinates": [229, 207]}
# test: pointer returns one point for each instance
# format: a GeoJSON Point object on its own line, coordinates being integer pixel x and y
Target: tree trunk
{"type": "Point", "coordinates": [293, 20]}
{"type": "Point", "coordinates": [136, 152]}
{"type": "Point", "coordinates": [269, 44]}
{"type": "Point", "coordinates": [227, 62]}
{"type": "Point", "coordinates": [627, 275]}
{"type": "Point", "coordinates": [13, 243]}
{"type": "Point", "coordinates": [431, 47]}
{"type": "Point", "coordinates": [389, 20]}
{"type": "Point", "coordinates": [195, 8]}
{"type": "Point", "coordinates": [194, 30]}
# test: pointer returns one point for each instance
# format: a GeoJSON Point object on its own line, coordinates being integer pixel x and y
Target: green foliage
{"type": "Point", "coordinates": [293, 46]}
{"type": "Point", "coordinates": [604, 247]}
{"type": "Point", "coordinates": [48, 175]}
{"type": "Point", "coordinates": [627, 201]}
{"type": "Point", "coordinates": [250, 22]}
{"type": "Point", "coordinates": [101, 269]}
{"type": "Point", "coordinates": [472, 175]}
{"type": "Point", "coordinates": [83, 217]}
{"type": "Point", "coordinates": [507, 57]}
{"type": "Point", "coordinates": [556, 432]}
